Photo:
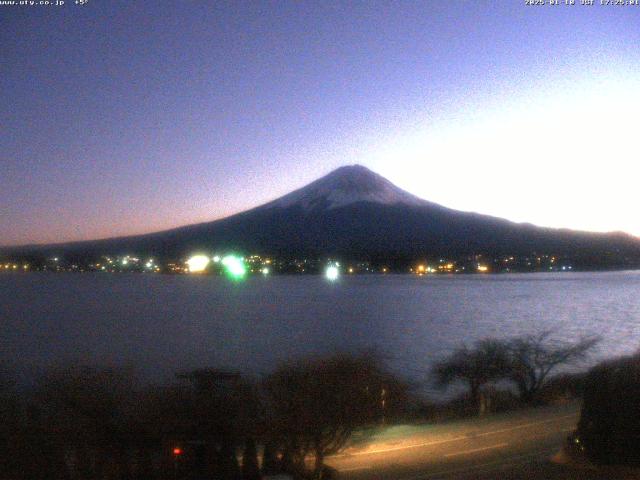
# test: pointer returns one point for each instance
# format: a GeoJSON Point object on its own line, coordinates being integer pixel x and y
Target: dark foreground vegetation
{"type": "Point", "coordinates": [99, 423]}
{"type": "Point", "coordinates": [87, 423]}
{"type": "Point", "coordinates": [522, 363]}
{"type": "Point", "coordinates": [609, 427]}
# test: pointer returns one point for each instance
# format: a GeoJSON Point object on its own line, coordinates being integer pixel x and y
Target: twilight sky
{"type": "Point", "coordinates": [123, 117]}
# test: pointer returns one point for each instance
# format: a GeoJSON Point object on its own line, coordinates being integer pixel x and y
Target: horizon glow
{"type": "Point", "coordinates": [589, 190]}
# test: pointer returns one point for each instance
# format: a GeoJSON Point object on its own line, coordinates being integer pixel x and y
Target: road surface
{"type": "Point", "coordinates": [508, 446]}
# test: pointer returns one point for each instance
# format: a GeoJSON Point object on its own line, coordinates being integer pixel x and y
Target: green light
{"type": "Point", "coordinates": [234, 267]}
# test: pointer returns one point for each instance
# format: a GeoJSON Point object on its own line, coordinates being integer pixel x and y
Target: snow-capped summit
{"type": "Point", "coordinates": [344, 186]}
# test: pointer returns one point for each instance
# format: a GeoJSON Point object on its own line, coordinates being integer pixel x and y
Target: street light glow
{"type": "Point", "coordinates": [197, 263]}
{"type": "Point", "coordinates": [332, 272]}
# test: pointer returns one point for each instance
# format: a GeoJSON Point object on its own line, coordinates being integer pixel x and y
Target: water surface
{"type": "Point", "coordinates": [161, 324]}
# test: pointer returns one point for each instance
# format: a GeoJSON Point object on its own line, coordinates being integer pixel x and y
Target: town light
{"type": "Point", "coordinates": [197, 263]}
{"type": "Point", "coordinates": [265, 271]}
{"type": "Point", "coordinates": [234, 266]}
{"type": "Point", "coordinates": [332, 272]}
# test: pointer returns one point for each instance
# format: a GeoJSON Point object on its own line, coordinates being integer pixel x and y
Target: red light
{"type": "Point", "coordinates": [177, 451]}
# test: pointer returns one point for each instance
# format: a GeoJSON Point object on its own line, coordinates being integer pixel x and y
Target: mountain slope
{"type": "Point", "coordinates": [356, 213]}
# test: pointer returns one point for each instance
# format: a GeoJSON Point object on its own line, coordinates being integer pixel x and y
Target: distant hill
{"type": "Point", "coordinates": [355, 213]}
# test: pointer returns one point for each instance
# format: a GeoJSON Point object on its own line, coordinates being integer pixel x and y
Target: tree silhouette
{"type": "Point", "coordinates": [270, 462]}
{"type": "Point", "coordinates": [92, 412]}
{"type": "Point", "coordinates": [487, 361]}
{"type": "Point", "coordinates": [315, 405]}
{"type": "Point", "coordinates": [609, 425]}
{"type": "Point", "coordinates": [216, 407]}
{"type": "Point", "coordinates": [533, 357]}
{"type": "Point", "coordinates": [250, 468]}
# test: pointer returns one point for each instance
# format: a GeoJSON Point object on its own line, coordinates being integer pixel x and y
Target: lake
{"type": "Point", "coordinates": [161, 324]}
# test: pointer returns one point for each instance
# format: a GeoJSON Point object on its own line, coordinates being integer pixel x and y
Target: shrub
{"type": "Point", "coordinates": [609, 426]}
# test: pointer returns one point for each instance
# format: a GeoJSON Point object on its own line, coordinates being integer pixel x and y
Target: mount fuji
{"type": "Point", "coordinates": [355, 213]}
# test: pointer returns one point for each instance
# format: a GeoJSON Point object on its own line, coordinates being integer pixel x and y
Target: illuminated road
{"type": "Point", "coordinates": [516, 445]}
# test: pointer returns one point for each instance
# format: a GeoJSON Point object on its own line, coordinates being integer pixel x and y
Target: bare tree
{"type": "Point", "coordinates": [315, 405]}
{"type": "Point", "coordinates": [533, 357]}
{"type": "Point", "coordinates": [487, 361]}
